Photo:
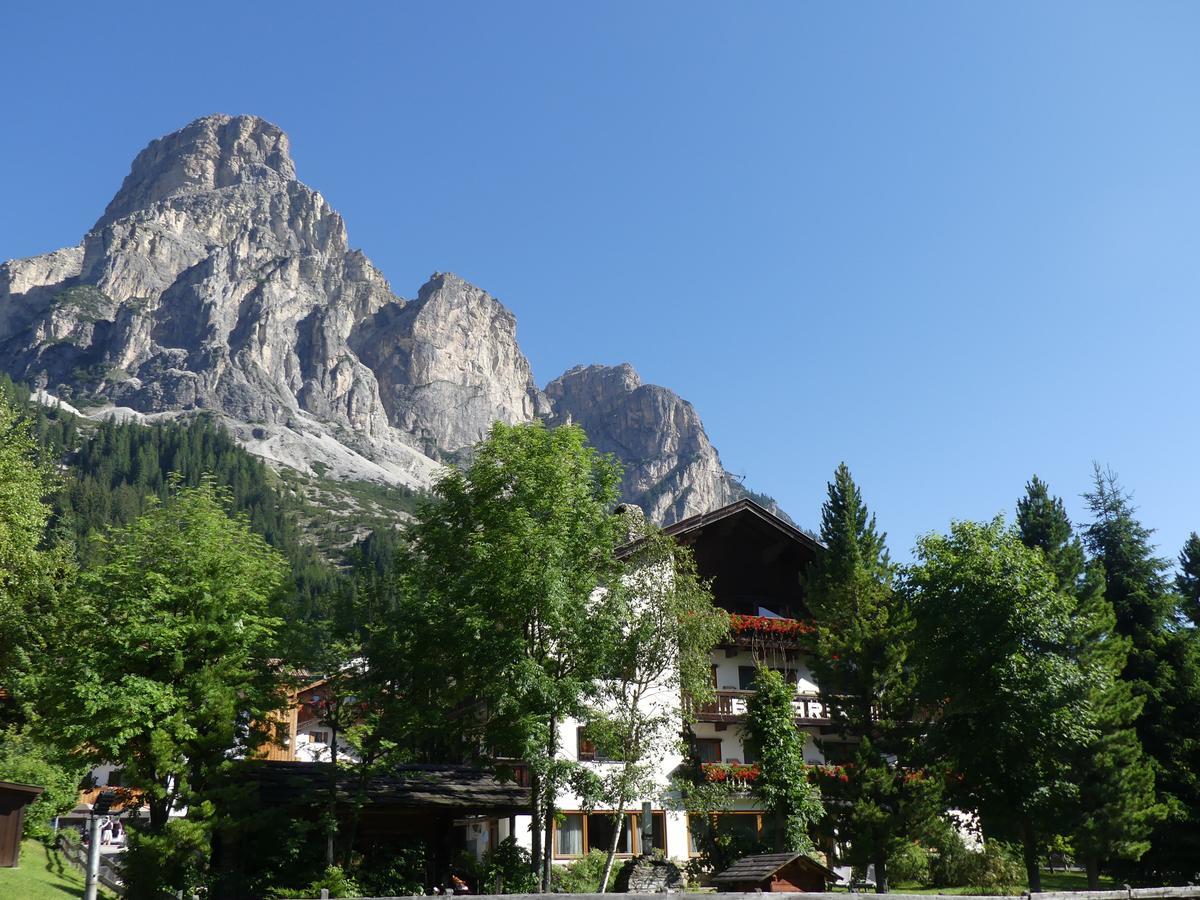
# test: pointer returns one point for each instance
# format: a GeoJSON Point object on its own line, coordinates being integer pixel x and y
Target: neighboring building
{"type": "Point", "coordinates": [307, 736]}
{"type": "Point", "coordinates": [755, 561]}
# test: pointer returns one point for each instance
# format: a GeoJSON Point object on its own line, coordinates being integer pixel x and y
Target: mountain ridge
{"type": "Point", "coordinates": [216, 281]}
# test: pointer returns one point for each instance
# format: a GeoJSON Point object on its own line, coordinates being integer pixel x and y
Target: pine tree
{"type": "Point", "coordinates": [1163, 670]}
{"type": "Point", "coordinates": [1187, 582]}
{"type": "Point", "coordinates": [1042, 522]}
{"type": "Point", "coordinates": [861, 651]}
{"type": "Point", "coordinates": [1116, 805]}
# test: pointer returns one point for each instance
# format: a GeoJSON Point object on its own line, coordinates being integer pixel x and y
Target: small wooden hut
{"type": "Point", "coordinates": [775, 873]}
{"type": "Point", "coordinates": [13, 800]}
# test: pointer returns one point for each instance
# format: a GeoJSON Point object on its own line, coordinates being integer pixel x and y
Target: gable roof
{"type": "Point", "coordinates": [745, 508]}
{"type": "Point", "coordinates": [763, 866]}
{"type": "Point", "coordinates": [17, 787]}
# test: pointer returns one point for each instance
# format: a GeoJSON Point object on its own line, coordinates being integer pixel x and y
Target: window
{"type": "Point", "coordinates": [708, 750]}
{"type": "Point", "coordinates": [746, 676]}
{"type": "Point", "coordinates": [569, 835]}
{"type": "Point", "coordinates": [697, 828]}
{"type": "Point", "coordinates": [319, 737]}
{"type": "Point", "coordinates": [600, 833]}
{"type": "Point", "coordinates": [658, 831]}
{"type": "Point", "coordinates": [587, 750]}
{"type": "Point", "coordinates": [748, 825]}
{"type": "Point", "coordinates": [578, 833]}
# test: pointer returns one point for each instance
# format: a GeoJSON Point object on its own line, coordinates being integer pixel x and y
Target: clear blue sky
{"type": "Point", "coordinates": [952, 244]}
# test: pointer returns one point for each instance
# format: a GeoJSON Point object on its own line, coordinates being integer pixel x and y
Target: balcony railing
{"type": "Point", "coordinates": [730, 706]}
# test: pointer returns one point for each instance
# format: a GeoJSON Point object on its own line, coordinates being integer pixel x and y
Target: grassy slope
{"type": "Point", "coordinates": [42, 878]}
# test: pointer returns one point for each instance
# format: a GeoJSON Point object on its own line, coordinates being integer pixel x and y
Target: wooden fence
{"type": "Point", "coordinates": [1156, 893]}
{"type": "Point", "coordinates": [76, 854]}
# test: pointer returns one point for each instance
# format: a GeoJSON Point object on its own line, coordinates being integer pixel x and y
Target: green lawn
{"type": "Point", "coordinates": [1051, 881]}
{"type": "Point", "coordinates": [42, 878]}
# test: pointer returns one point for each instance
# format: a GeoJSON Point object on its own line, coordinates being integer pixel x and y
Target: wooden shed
{"type": "Point", "coordinates": [13, 800]}
{"type": "Point", "coordinates": [775, 872]}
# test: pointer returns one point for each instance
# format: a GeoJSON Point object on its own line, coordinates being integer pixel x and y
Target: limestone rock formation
{"type": "Point", "coordinates": [216, 281]}
{"type": "Point", "coordinates": [449, 366]}
{"type": "Point", "coordinates": [672, 469]}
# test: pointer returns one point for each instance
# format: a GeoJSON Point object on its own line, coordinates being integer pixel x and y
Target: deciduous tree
{"type": "Point", "coordinates": [662, 628]}
{"type": "Point", "coordinates": [1007, 700]}
{"type": "Point", "coordinates": [502, 565]}
{"type": "Point", "coordinates": [168, 670]}
{"type": "Point", "coordinates": [791, 803]}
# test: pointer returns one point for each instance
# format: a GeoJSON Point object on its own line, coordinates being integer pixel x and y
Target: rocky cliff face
{"type": "Point", "coordinates": [216, 281]}
{"type": "Point", "coordinates": [671, 468]}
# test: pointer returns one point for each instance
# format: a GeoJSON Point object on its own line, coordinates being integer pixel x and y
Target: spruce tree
{"type": "Point", "coordinates": [1187, 582]}
{"type": "Point", "coordinates": [1163, 669]}
{"type": "Point", "coordinates": [1116, 806]}
{"type": "Point", "coordinates": [861, 651]}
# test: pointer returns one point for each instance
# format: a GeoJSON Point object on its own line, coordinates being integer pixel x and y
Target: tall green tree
{"type": "Point", "coordinates": [1007, 699]}
{"type": "Point", "coordinates": [862, 649]}
{"type": "Point", "coordinates": [663, 626]}
{"type": "Point", "coordinates": [791, 803]}
{"type": "Point", "coordinates": [32, 576]}
{"type": "Point", "coordinates": [502, 565]}
{"type": "Point", "coordinates": [169, 670]}
{"type": "Point", "coordinates": [1163, 669]}
{"type": "Point", "coordinates": [1116, 806]}
{"type": "Point", "coordinates": [1187, 582]}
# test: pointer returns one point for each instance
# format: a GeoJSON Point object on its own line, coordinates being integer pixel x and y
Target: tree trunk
{"type": "Point", "coordinates": [548, 848]}
{"type": "Point", "coordinates": [1092, 866]}
{"type": "Point", "coordinates": [881, 877]}
{"type": "Point", "coordinates": [618, 825]}
{"type": "Point", "coordinates": [1029, 842]}
{"type": "Point", "coordinates": [160, 814]}
{"type": "Point", "coordinates": [360, 799]}
{"type": "Point", "coordinates": [551, 789]}
{"type": "Point", "coordinates": [535, 809]}
{"type": "Point", "coordinates": [331, 828]}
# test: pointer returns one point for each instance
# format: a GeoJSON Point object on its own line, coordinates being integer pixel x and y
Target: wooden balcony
{"type": "Point", "coordinates": [730, 707]}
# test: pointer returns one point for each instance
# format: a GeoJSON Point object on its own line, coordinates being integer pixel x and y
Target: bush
{"type": "Point", "coordinates": [998, 869]}
{"type": "Point", "coordinates": [28, 761]}
{"type": "Point", "coordinates": [392, 871]}
{"type": "Point", "coordinates": [334, 879]}
{"type": "Point", "coordinates": [583, 875]}
{"type": "Point", "coordinates": [995, 869]}
{"type": "Point", "coordinates": [950, 863]}
{"type": "Point", "coordinates": [510, 867]}
{"type": "Point", "coordinates": [908, 862]}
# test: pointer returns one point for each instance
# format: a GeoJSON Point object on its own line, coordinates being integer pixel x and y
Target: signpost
{"type": "Point", "coordinates": [100, 809]}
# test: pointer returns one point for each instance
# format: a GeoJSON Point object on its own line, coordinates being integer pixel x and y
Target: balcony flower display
{"type": "Point", "coordinates": [729, 772]}
{"type": "Point", "coordinates": [768, 626]}
{"type": "Point", "coordinates": [833, 772]}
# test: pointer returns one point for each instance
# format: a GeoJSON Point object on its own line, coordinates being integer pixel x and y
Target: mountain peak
{"type": "Point", "coordinates": [212, 152]}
